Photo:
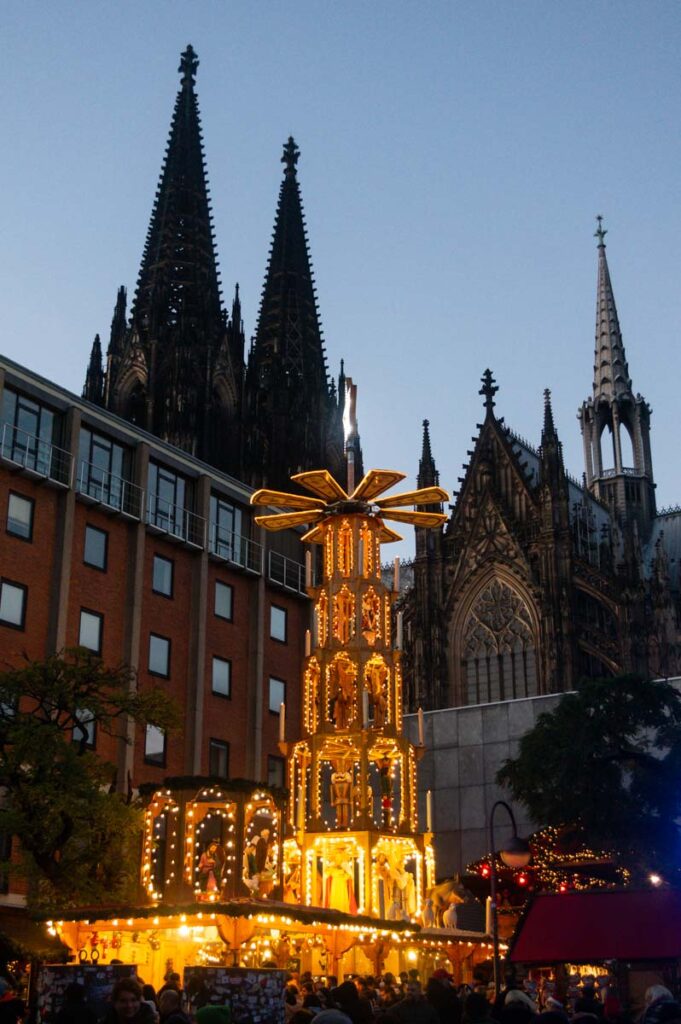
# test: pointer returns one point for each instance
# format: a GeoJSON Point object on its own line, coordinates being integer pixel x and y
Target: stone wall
{"type": "Point", "coordinates": [465, 747]}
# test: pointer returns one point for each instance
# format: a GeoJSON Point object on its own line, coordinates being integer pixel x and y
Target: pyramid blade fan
{"type": "Point", "coordinates": [387, 536]}
{"type": "Point", "coordinates": [320, 482]}
{"type": "Point", "coordinates": [284, 500]}
{"type": "Point", "coordinates": [375, 482]}
{"type": "Point", "coordinates": [416, 518]}
{"type": "Point", "coordinates": [286, 519]}
{"type": "Point", "coordinates": [314, 536]}
{"type": "Point", "coordinates": [424, 496]}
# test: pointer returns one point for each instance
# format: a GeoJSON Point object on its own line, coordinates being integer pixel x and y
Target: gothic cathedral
{"type": "Point", "coordinates": [536, 580]}
{"type": "Point", "coordinates": [176, 365]}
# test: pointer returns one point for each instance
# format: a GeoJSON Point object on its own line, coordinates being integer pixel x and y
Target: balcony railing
{"type": "Point", "coordinates": [176, 521]}
{"type": "Point", "coordinates": [234, 547]}
{"type": "Point", "coordinates": [110, 490]}
{"type": "Point", "coordinates": [625, 471]}
{"type": "Point", "coordinates": [286, 572]}
{"type": "Point", "coordinates": [35, 455]}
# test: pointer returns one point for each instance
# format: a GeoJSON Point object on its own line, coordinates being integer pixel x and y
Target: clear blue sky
{"type": "Point", "coordinates": [453, 158]}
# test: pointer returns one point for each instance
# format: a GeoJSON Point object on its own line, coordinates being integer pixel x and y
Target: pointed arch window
{"type": "Point", "coordinates": [498, 648]}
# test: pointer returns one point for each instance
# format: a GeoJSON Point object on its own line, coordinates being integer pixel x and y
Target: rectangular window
{"type": "Point", "coordinates": [95, 548]}
{"type": "Point", "coordinates": [275, 771]}
{"type": "Point", "coordinates": [20, 516]}
{"type": "Point", "coordinates": [162, 576]}
{"type": "Point", "coordinates": [155, 745]}
{"type": "Point", "coordinates": [91, 629]}
{"type": "Point", "coordinates": [13, 604]}
{"type": "Point", "coordinates": [103, 469]}
{"type": "Point", "coordinates": [30, 434]}
{"type": "Point", "coordinates": [167, 494]}
{"type": "Point", "coordinates": [225, 529]}
{"type": "Point", "coordinates": [86, 728]}
{"type": "Point", "coordinates": [224, 596]}
{"type": "Point", "coordinates": [159, 655]}
{"type": "Point", "coordinates": [277, 694]}
{"type": "Point", "coordinates": [278, 623]}
{"type": "Point", "coordinates": [218, 759]}
{"type": "Point", "coordinates": [222, 677]}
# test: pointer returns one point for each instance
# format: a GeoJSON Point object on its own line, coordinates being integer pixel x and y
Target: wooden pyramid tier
{"type": "Point", "coordinates": [353, 843]}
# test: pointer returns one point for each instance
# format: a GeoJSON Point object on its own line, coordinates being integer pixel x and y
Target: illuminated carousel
{"type": "Point", "coordinates": [338, 878]}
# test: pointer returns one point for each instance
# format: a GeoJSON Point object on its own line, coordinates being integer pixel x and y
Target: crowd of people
{"type": "Point", "coordinates": [388, 999]}
{"type": "Point", "coordinates": [404, 1000]}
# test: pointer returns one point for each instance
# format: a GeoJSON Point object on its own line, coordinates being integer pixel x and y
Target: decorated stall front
{"type": "Point", "coordinates": [340, 877]}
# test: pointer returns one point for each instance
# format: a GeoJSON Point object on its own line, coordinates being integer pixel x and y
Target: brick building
{"type": "Point", "coordinates": [117, 541]}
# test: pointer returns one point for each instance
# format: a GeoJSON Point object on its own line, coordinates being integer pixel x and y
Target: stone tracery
{"type": "Point", "coordinates": [498, 646]}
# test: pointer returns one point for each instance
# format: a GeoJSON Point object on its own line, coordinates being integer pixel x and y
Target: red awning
{"type": "Point", "coordinates": [585, 927]}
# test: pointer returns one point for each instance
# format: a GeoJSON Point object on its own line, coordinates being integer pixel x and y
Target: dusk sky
{"type": "Point", "coordinates": [453, 159]}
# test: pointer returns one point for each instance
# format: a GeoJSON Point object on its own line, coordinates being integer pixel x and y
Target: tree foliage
{"type": "Point", "coordinates": [77, 837]}
{"type": "Point", "coordinates": [608, 759]}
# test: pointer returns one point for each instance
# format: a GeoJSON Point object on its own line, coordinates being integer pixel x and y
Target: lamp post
{"type": "Point", "coordinates": [516, 854]}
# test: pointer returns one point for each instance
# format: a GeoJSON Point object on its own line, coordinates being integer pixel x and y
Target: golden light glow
{"type": "Point", "coordinates": [355, 845]}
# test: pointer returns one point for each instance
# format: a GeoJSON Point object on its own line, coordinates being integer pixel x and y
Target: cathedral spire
{"type": "Point", "coordinates": [611, 373]}
{"type": "Point", "coordinates": [551, 449]}
{"type": "Point", "coordinates": [178, 280]}
{"type": "Point", "coordinates": [294, 423]}
{"type": "Point", "coordinates": [177, 324]}
{"type": "Point", "coordinates": [549, 429]}
{"type": "Point", "coordinates": [622, 476]}
{"type": "Point", "coordinates": [118, 322]}
{"type": "Point", "coordinates": [288, 334]}
{"type": "Point", "coordinates": [94, 379]}
{"type": "Point", "coordinates": [428, 475]}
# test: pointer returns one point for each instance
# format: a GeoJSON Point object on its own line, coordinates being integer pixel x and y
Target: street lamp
{"type": "Point", "coordinates": [516, 854]}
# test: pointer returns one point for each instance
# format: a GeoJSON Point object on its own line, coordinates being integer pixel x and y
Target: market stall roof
{"type": "Point", "coordinates": [585, 927]}
{"type": "Point", "coordinates": [237, 908]}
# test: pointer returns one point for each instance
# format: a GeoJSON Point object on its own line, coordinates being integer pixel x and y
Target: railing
{"type": "Point", "coordinates": [607, 474]}
{"type": "Point", "coordinates": [286, 572]}
{"type": "Point", "coordinates": [110, 490]}
{"type": "Point", "coordinates": [176, 521]}
{"type": "Point", "coordinates": [35, 455]}
{"type": "Point", "coordinates": [234, 547]}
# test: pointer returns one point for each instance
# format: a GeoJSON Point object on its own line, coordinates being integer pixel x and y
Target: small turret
{"type": "Point", "coordinates": [626, 485]}
{"type": "Point", "coordinates": [93, 390]}
{"type": "Point", "coordinates": [428, 475]}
